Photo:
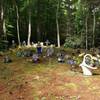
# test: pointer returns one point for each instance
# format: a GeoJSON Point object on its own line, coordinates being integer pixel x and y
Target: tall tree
{"type": "Point", "coordinates": [17, 22]}
{"type": "Point", "coordinates": [86, 32]}
{"type": "Point", "coordinates": [57, 23]}
{"type": "Point", "coordinates": [94, 25]}
{"type": "Point", "coordinates": [38, 21]}
{"type": "Point", "coordinates": [1, 17]}
{"type": "Point", "coordinates": [3, 20]}
{"type": "Point", "coordinates": [29, 26]}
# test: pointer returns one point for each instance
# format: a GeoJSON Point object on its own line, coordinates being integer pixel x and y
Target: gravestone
{"type": "Point", "coordinates": [71, 62]}
{"type": "Point", "coordinates": [47, 42]}
{"type": "Point", "coordinates": [27, 53]}
{"type": "Point", "coordinates": [35, 58]}
{"type": "Point", "coordinates": [32, 44]}
{"type": "Point", "coordinates": [61, 57]}
{"type": "Point", "coordinates": [7, 59]}
{"type": "Point", "coordinates": [13, 44]}
{"type": "Point", "coordinates": [24, 43]}
{"type": "Point", "coordinates": [49, 51]}
{"type": "Point", "coordinates": [19, 53]}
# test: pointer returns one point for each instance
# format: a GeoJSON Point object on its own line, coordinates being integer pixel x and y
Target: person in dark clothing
{"type": "Point", "coordinates": [39, 49]}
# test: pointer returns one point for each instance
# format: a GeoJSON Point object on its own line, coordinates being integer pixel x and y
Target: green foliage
{"type": "Point", "coordinates": [72, 42]}
{"type": "Point", "coordinates": [3, 45]}
{"type": "Point", "coordinates": [72, 14]}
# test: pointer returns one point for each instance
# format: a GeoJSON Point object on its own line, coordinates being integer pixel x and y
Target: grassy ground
{"type": "Point", "coordinates": [48, 80]}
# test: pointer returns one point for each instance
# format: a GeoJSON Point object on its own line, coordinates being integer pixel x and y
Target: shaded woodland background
{"type": "Point", "coordinates": [70, 23]}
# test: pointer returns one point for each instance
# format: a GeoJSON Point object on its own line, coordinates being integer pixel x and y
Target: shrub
{"type": "Point", "coordinates": [72, 42]}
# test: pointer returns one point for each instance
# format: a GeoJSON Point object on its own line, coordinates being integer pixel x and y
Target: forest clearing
{"type": "Point", "coordinates": [49, 49]}
{"type": "Point", "coordinates": [46, 80]}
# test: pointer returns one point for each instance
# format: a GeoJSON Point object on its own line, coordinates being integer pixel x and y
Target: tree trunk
{"type": "Point", "coordinates": [18, 26]}
{"type": "Point", "coordinates": [17, 22]}
{"type": "Point", "coordinates": [1, 19]}
{"type": "Point", "coordinates": [3, 23]}
{"type": "Point", "coordinates": [29, 30]}
{"type": "Point", "coordinates": [38, 21]}
{"type": "Point", "coordinates": [86, 32]}
{"type": "Point", "coordinates": [94, 21]}
{"type": "Point", "coordinates": [2, 13]}
{"type": "Point", "coordinates": [57, 23]}
{"type": "Point", "coordinates": [38, 32]}
{"type": "Point", "coordinates": [81, 40]}
{"type": "Point", "coordinates": [4, 29]}
{"type": "Point", "coordinates": [0, 23]}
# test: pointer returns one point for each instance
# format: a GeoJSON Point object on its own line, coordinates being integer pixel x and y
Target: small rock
{"type": "Point", "coordinates": [11, 92]}
{"type": "Point", "coordinates": [20, 98]}
{"type": "Point", "coordinates": [26, 82]}
{"type": "Point", "coordinates": [36, 77]}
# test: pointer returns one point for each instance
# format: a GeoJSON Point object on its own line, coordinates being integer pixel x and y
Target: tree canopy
{"type": "Point", "coordinates": [59, 21]}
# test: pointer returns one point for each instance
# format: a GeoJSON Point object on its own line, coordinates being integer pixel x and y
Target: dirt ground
{"type": "Point", "coordinates": [22, 80]}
